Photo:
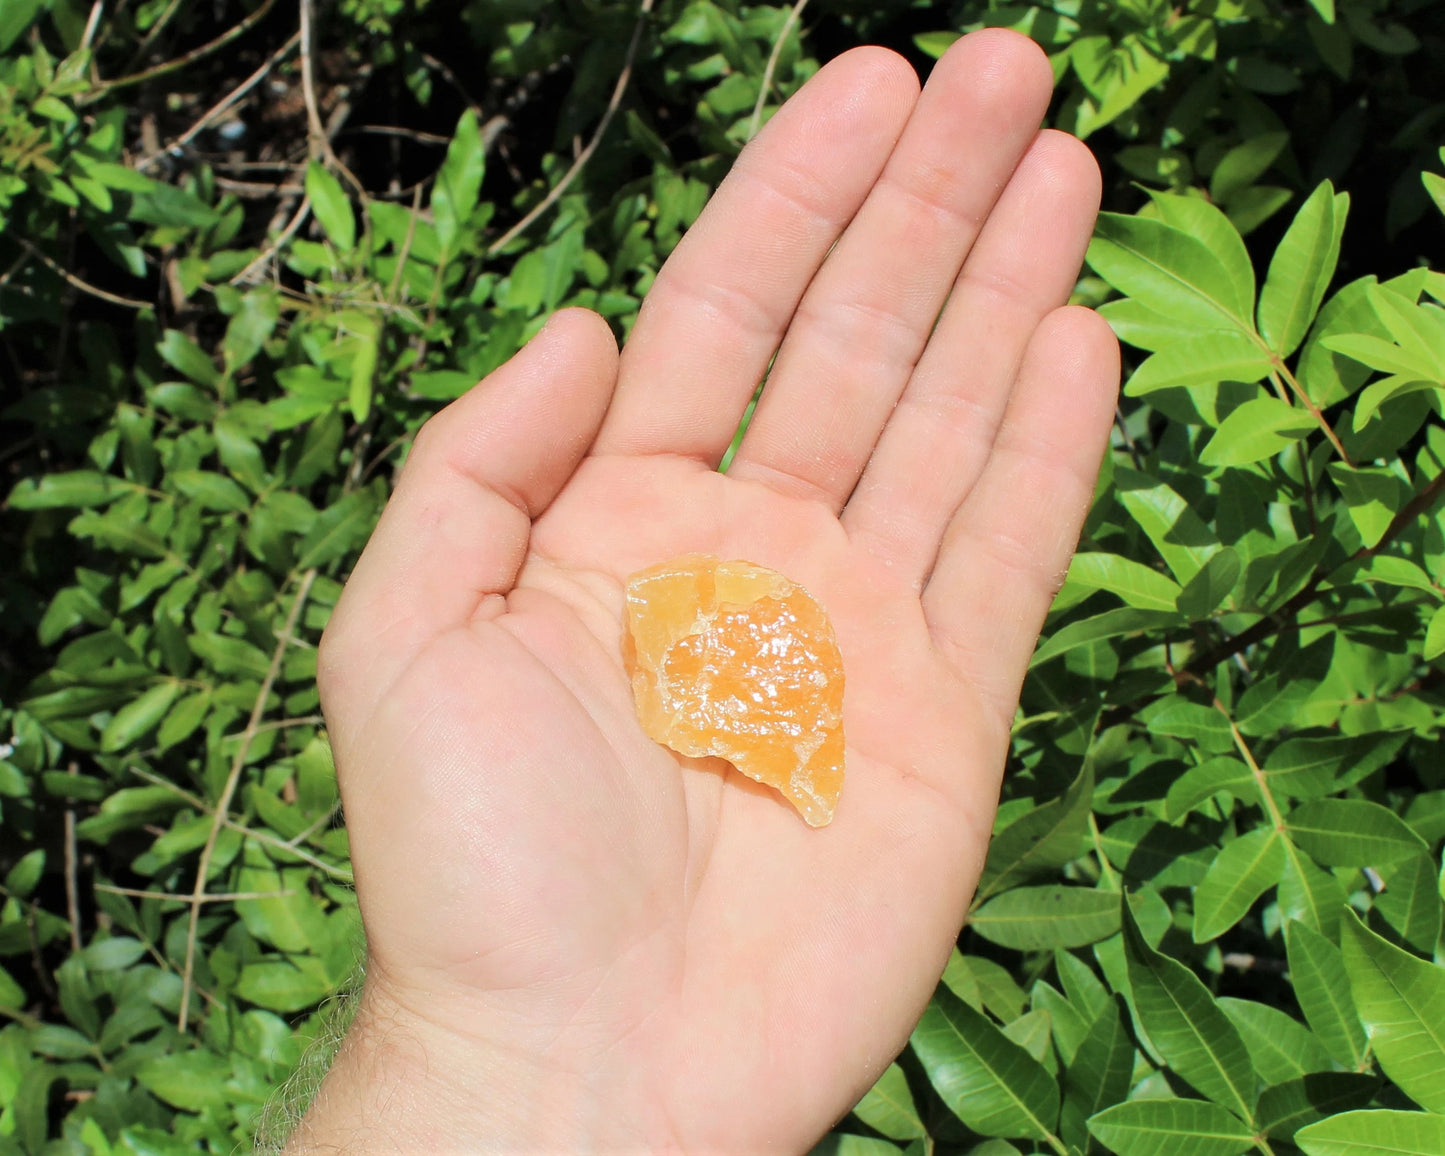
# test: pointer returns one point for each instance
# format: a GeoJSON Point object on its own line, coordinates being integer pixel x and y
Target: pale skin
{"type": "Point", "coordinates": [576, 940]}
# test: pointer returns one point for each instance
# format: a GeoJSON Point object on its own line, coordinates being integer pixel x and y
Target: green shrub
{"type": "Point", "coordinates": [1209, 917]}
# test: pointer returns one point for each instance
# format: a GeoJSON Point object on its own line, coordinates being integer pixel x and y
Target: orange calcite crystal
{"type": "Point", "coordinates": [734, 660]}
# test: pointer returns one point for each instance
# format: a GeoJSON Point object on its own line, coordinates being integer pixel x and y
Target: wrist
{"type": "Point", "coordinates": [403, 1082]}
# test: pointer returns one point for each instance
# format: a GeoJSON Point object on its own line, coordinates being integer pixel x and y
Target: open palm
{"type": "Point", "coordinates": [614, 947]}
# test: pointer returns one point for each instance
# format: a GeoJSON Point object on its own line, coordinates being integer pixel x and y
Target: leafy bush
{"type": "Point", "coordinates": [1210, 913]}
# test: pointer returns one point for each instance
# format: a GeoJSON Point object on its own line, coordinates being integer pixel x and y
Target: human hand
{"type": "Point", "coordinates": [575, 941]}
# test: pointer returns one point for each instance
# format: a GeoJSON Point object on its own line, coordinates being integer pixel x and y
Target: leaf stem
{"type": "Point", "coordinates": [1297, 389]}
{"type": "Point", "coordinates": [1275, 814]}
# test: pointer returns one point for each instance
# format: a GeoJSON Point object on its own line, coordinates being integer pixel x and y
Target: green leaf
{"type": "Point", "coordinates": [1410, 903]}
{"type": "Point", "coordinates": [1134, 583]}
{"type": "Point", "coordinates": [1208, 589]}
{"type": "Point", "coordinates": [1306, 767]}
{"type": "Point", "coordinates": [1352, 833]}
{"type": "Point", "coordinates": [458, 182]}
{"type": "Point", "coordinates": [1042, 918]}
{"type": "Point", "coordinates": [888, 1107]}
{"type": "Point", "coordinates": [193, 1080]}
{"type": "Point", "coordinates": [72, 488]}
{"type": "Point", "coordinates": [1258, 429]}
{"type": "Point", "coordinates": [183, 720]}
{"type": "Point", "coordinates": [1042, 840]}
{"type": "Point", "coordinates": [1288, 1107]}
{"type": "Point", "coordinates": [1378, 1132]}
{"type": "Point", "coordinates": [1201, 359]}
{"type": "Point", "coordinates": [137, 718]}
{"type": "Point", "coordinates": [1182, 538]}
{"type": "Point", "coordinates": [210, 490]}
{"type": "Point", "coordinates": [1202, 782]}
{"type": "Point", "coordinates": [1419, 330]}
{"type": "Point", "coordinates": [181, 353]}
{"type": "Point", "coordinates": [1377, 393]}
{"type": "Point", "coordinates": [1373, 495]}
{"type": "Point", "coordinates": [1099, 1074]}
{"type": "Point", "coordinates": [1244, 164]}
{"type": "Point", "coordinates": [1171, 1128]}
{"type": "Point", "coordinates": [1168, 271]}
{"type": "Point", "coordinates": [331, 206]}
{"type": "Point", "coordinates": [1182, 719]}
{"type": "Point", "coordinates": [339, 529]}
{"type": "Point", "coordinates": [226, 655]}
{"type": "Point", "coordinates": [1435, 186]}
{"type": "Point", "coordinates": [15, 17]}
{"type": "Point", "coordinates": [289, 917]}
{"type": "Point", "coordinates": [1300, 270]}
{"type": "Point", "coordinates": [284, 986]}
{"type": "Point", "coordinates": [114, 954]}
{"type": "Point", "coordinates": [1401, 1000]}
{"type": "Point", "coordinates": [1185, 1025]}
{"type": "Point", "coordinates": [1435, 635]}
{"type": "Point", "coordinates": [1203, 221]}
{"type": "Point", "coordinates": [986, 1080]}
{"type": "Point", "coordinates": [1109, 624]}
{"type": "Point", "coordinates": [1309, 894]}
{"type": "Point", "coordinates": [1280, 1047]}
{"type": "Point", "coordinates": [1243, 871]}
{"type": "Point", "coordinates": [1322, 987]}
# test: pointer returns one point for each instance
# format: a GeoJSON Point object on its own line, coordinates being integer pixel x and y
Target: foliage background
{"type": "Point", "coordinates": [242, 259]}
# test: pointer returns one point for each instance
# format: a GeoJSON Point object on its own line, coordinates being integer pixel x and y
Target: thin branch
{"type": "Point", "coordinates": [244, 831]}
{"type": "Point", "coordinates": [311, 829]}
{"type": "Point", "coordinates": [91, 24]}
{"type": "Point", "coordinates": [84, 286]}
{"type": "Point", "coordinates": [315, 131]}
{"type": "Point", "coordinates": [407, 133]}
{"type": "Point", "coordinates": [155, 30]}
{"type": "Point", "coordinates": [209, 897]}
{"type": "Point", "coordinates": [555, 193]}
{"type": "Point", "coordinates": [181, 61]}
{"type": "Point", "coordinates": [1275, 622]}
{"type": "Point", "coordinates": [794, 13]}
{"type": "Point", "coordinates": [295, 223]}
{"type": "Point", "coordinates": [72, 890]}
{"type": "Point", "coordinates": [224, 104]}
{"type": "Point", "coordinates": [1298, 390]}
{"type": "Point", "coordinates": [238, 761]}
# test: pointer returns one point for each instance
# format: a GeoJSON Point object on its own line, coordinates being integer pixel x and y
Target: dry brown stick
{"type": "Point", "coordinates": [244, 276]}
{"type": "Point", "coordinates": [180, 62]}
{"type": "Point", "coordinates": [244, 831]}
{"type": "Point", "coordinates": [72, 890]}
{"type": "Point", "coordinates": [209, 897]}
{"type": "Point", "coordinates": [555, 193]}
{"type": "Point", "coordinates": [91, 24]}
{"type": "Point", "coordinates": [794, 13]}
{"type": "Point", "coordinates": [224, 103]}
{"type": "Point", "coordinates": [228, 791]}
{"type": "Point", "coordinates": [84, 286]}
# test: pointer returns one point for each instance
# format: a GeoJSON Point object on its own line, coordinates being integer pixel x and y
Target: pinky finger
{"type": "Point", "coordinates": [1006, 549]}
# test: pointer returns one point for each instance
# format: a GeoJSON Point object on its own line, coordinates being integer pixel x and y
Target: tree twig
{"type": "Point", "coordinates": [72, 889]}
{"type": "Point", "coordinates": [179, 62]}
{"type": "Point", "coordinates": [555, 193]}
{"type": "Point", "coordinates": [793, 14]}
{"type": "Point", "coordinates": [245, 275]}
{"type": "Point", "coordinates": [84, 286]}
{"type": "Point", "coordinates": [223, 805]}
{"type": "Point", "coordinates": [91, 24]}
{"type": "Point", "coordinates": [173, 897]}
{"type": "Point", "coordinates": [224, 104]}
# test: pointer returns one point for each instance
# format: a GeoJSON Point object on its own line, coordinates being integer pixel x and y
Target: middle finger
{"type": "Point", "coordinates": [864, 321]}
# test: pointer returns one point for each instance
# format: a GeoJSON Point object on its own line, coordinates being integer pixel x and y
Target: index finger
{"type": "Point", "coordinates": [718, 308]}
